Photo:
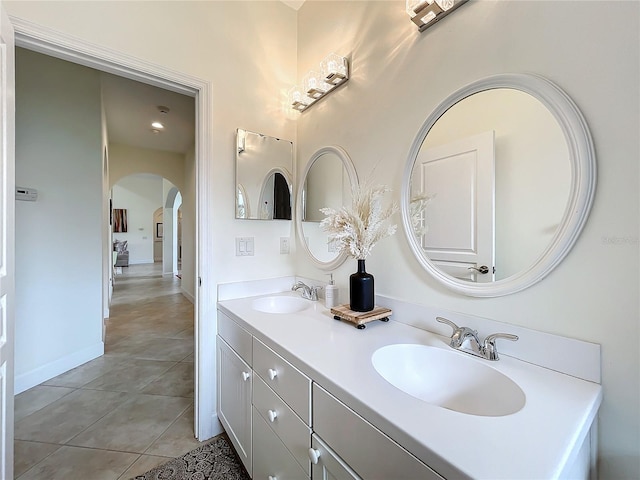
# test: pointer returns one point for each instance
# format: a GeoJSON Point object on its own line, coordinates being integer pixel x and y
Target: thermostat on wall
{"type": "Point", "coordinates": [26, 194]}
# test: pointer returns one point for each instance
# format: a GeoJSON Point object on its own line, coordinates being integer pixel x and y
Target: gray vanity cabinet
{"type": "Point", "coordinates": [264, 405]}
{"type": "Point", "coordinates": [268, 408]}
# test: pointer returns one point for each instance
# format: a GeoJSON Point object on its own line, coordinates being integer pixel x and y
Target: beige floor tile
{"type": "Point", "coordinates": [135, 425]}
{"type": "Point", "coordinates": [185, 333]}
{"type": "Point", "coordinates": [62, 420]}
{"type": "Point", "coordinates": [149, 336]}
{"type": "Point", "coordinates": [178, 439]}
{"type": "Point", "coordinates": [143, 465]}
{"type": "Point", "coordinates": [36, 398]}
{"type": "Point", "coordinates": [167, 349]}
{"type": "Point", "coordinates": [176, 382]}
{"type": "Point", "coordinates": [132, 376]}
{"type": "Point", "coordinates": [28, 454]}
{"type": "Point", "coordinates": [85, 373]}
{"type": "Point", "coordinates": [73, 463]}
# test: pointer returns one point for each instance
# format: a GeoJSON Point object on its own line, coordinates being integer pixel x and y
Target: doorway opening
{"type": "Point", "coordinates": [50, 43]}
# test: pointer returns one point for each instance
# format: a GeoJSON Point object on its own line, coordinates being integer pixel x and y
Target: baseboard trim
{"type": "Point", "coordinates": [52, 369]}
{"type": "Point", "coordinates": [145, 261]}
{"type": "Point", "coordinates": [188, 296]}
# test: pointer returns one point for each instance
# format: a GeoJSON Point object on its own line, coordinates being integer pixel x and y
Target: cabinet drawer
{"type": "Point", "coordinates": [271, 459]}
{"type": "Point", "coordinates": [236, 336]}
{"type": "Point", "coordinates": [293, 386]}
{"type": "Point", "coordinates": [362, 446]}
{"type": "Point", "coordinates": [293, 432]}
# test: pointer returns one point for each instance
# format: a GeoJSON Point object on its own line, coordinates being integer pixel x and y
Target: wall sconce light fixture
{"type": "Point", "coordinates": [425, 13]}
{"type": "Point", "coordinates": [334, 71]}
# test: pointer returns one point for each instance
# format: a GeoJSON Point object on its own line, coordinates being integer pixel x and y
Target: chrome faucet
{"type": "Point", "coordinates": [466, 340]}
{"type": "Point", "coordinates": [310, 293]}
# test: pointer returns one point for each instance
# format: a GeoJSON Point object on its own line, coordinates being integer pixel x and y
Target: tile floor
{"type": "Point", "coordinates": [127, 411]}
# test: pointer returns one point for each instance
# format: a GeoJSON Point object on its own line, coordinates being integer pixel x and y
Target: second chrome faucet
{"type": "Point", "coordinates": [466, 340]}
{"type": "Point", "coordinates": [310, 293]}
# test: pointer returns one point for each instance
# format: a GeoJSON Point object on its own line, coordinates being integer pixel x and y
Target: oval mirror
{"type": "Point", "coordinates": [327, 181]}
{"type": "Point", "coordinates": [498, 185]}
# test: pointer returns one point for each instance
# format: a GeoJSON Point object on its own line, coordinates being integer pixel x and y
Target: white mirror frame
{"type": "Point", "coordinates": [583, 182]}
{"type": "Point", "coordinates": [353, 179]}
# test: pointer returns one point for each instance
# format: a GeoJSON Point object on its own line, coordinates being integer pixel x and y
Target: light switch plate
{"type": "Point", "coordinates": [244, 246]}
{"type": "Point", "coordinates": [284, 245]}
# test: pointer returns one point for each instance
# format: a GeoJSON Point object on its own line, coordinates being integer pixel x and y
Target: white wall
{"type": "Point", "coordinates": [591, 50]}
{"type": "Point", "coordinates": [126, 160]}
{"type": "Point", "coordinates": [141, 195]}
{"type": "Point", "coordinates": [59, 238]}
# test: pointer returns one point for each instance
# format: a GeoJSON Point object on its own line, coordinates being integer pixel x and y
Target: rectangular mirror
{"type": "Point", "coordinates": [263, 176]}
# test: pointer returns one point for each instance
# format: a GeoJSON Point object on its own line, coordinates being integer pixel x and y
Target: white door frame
{"type": "Point", "coordinates": [55, 44]}
{"type": "Point", "coordinates": [7, 242]}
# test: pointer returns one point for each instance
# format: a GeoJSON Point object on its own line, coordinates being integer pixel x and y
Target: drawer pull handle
{"type": "Point", "coordinates": [272, 415]}
{"type": "Point", "coordinates": [271, 477]}
{"type": "Point", "coordinates": [245, 376]}
{"type": "Point", "coordinates": [314, 455]}
{"type": "Point", "coordinates": [273, 373]}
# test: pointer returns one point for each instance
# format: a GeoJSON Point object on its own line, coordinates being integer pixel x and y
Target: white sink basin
{"type": "Point", "coordinates": [449, 379]}
{"type": "Point", "coordinates": [280, 304]}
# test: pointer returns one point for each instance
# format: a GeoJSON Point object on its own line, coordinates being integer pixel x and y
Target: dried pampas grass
{"type": "Point", "coordinates": [356, 230]}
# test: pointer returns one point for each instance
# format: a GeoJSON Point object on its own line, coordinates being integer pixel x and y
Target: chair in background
{"type": "Point", "coordinates": [120, 247]}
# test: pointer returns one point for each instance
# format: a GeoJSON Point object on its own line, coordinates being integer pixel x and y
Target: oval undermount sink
{"type": "Point", "coordinates": [280, 304]}
{"type": "Point", "coordinates": [448, 379]}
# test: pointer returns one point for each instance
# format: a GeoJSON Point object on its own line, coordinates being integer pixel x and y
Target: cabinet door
{"type": "Point", "coordinates": [326, 465]}
{"type": "Point", "coordinates": [234, 400]}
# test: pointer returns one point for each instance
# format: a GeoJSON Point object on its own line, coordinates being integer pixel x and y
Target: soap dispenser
{"type": "Point", "coordinates": [331, 293]}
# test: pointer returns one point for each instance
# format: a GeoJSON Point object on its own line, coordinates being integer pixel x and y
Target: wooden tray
{"type": "Point", "coordinates": [342, 312]}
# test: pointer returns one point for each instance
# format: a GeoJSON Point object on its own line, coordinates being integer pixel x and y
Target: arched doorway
{"type": "Point", "coordinates": [152, 205]}
{"type": "Point", "coordinates": [167, 234]}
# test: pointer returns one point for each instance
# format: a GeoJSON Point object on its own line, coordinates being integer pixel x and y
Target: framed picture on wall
{"type": "Point", "coordinates": [159, 230]}
{"type": "Point", "coordinates": [119, 220]}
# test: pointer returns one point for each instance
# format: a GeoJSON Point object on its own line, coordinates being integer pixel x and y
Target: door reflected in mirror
{"type": "Point", "coordinates": [540, 169]}
{"type": "Point", "coordinates": [496, 173]}
{"type": "Point", "coordinates": [263, 176]}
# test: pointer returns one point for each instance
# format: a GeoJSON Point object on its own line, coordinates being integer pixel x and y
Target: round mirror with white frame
{"type": "Point", "coordinates": [498, 184]}
{"type": "Point", "coordinates": [327, 181]}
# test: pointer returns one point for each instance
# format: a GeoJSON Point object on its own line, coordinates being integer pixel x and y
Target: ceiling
{"type": "Point", "coordinates": [132, 106]}
{"type": "Point", "coordinates": [295, 4]}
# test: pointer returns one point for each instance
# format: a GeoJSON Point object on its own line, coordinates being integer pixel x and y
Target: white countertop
{"type": "Point", "coordinates": [537, 442]}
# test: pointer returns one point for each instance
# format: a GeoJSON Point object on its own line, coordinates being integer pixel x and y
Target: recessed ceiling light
{"type": "Point", "coordinates": [164, 110]}
{"type": "Point", "coordinates": [157, 125]}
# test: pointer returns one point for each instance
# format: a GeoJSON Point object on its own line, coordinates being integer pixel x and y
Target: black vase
{"type": "Point", "coordinates": [361, 293]}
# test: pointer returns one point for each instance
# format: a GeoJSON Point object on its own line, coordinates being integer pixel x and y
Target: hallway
{"type": "Point", "coordinates": [127, 411]}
